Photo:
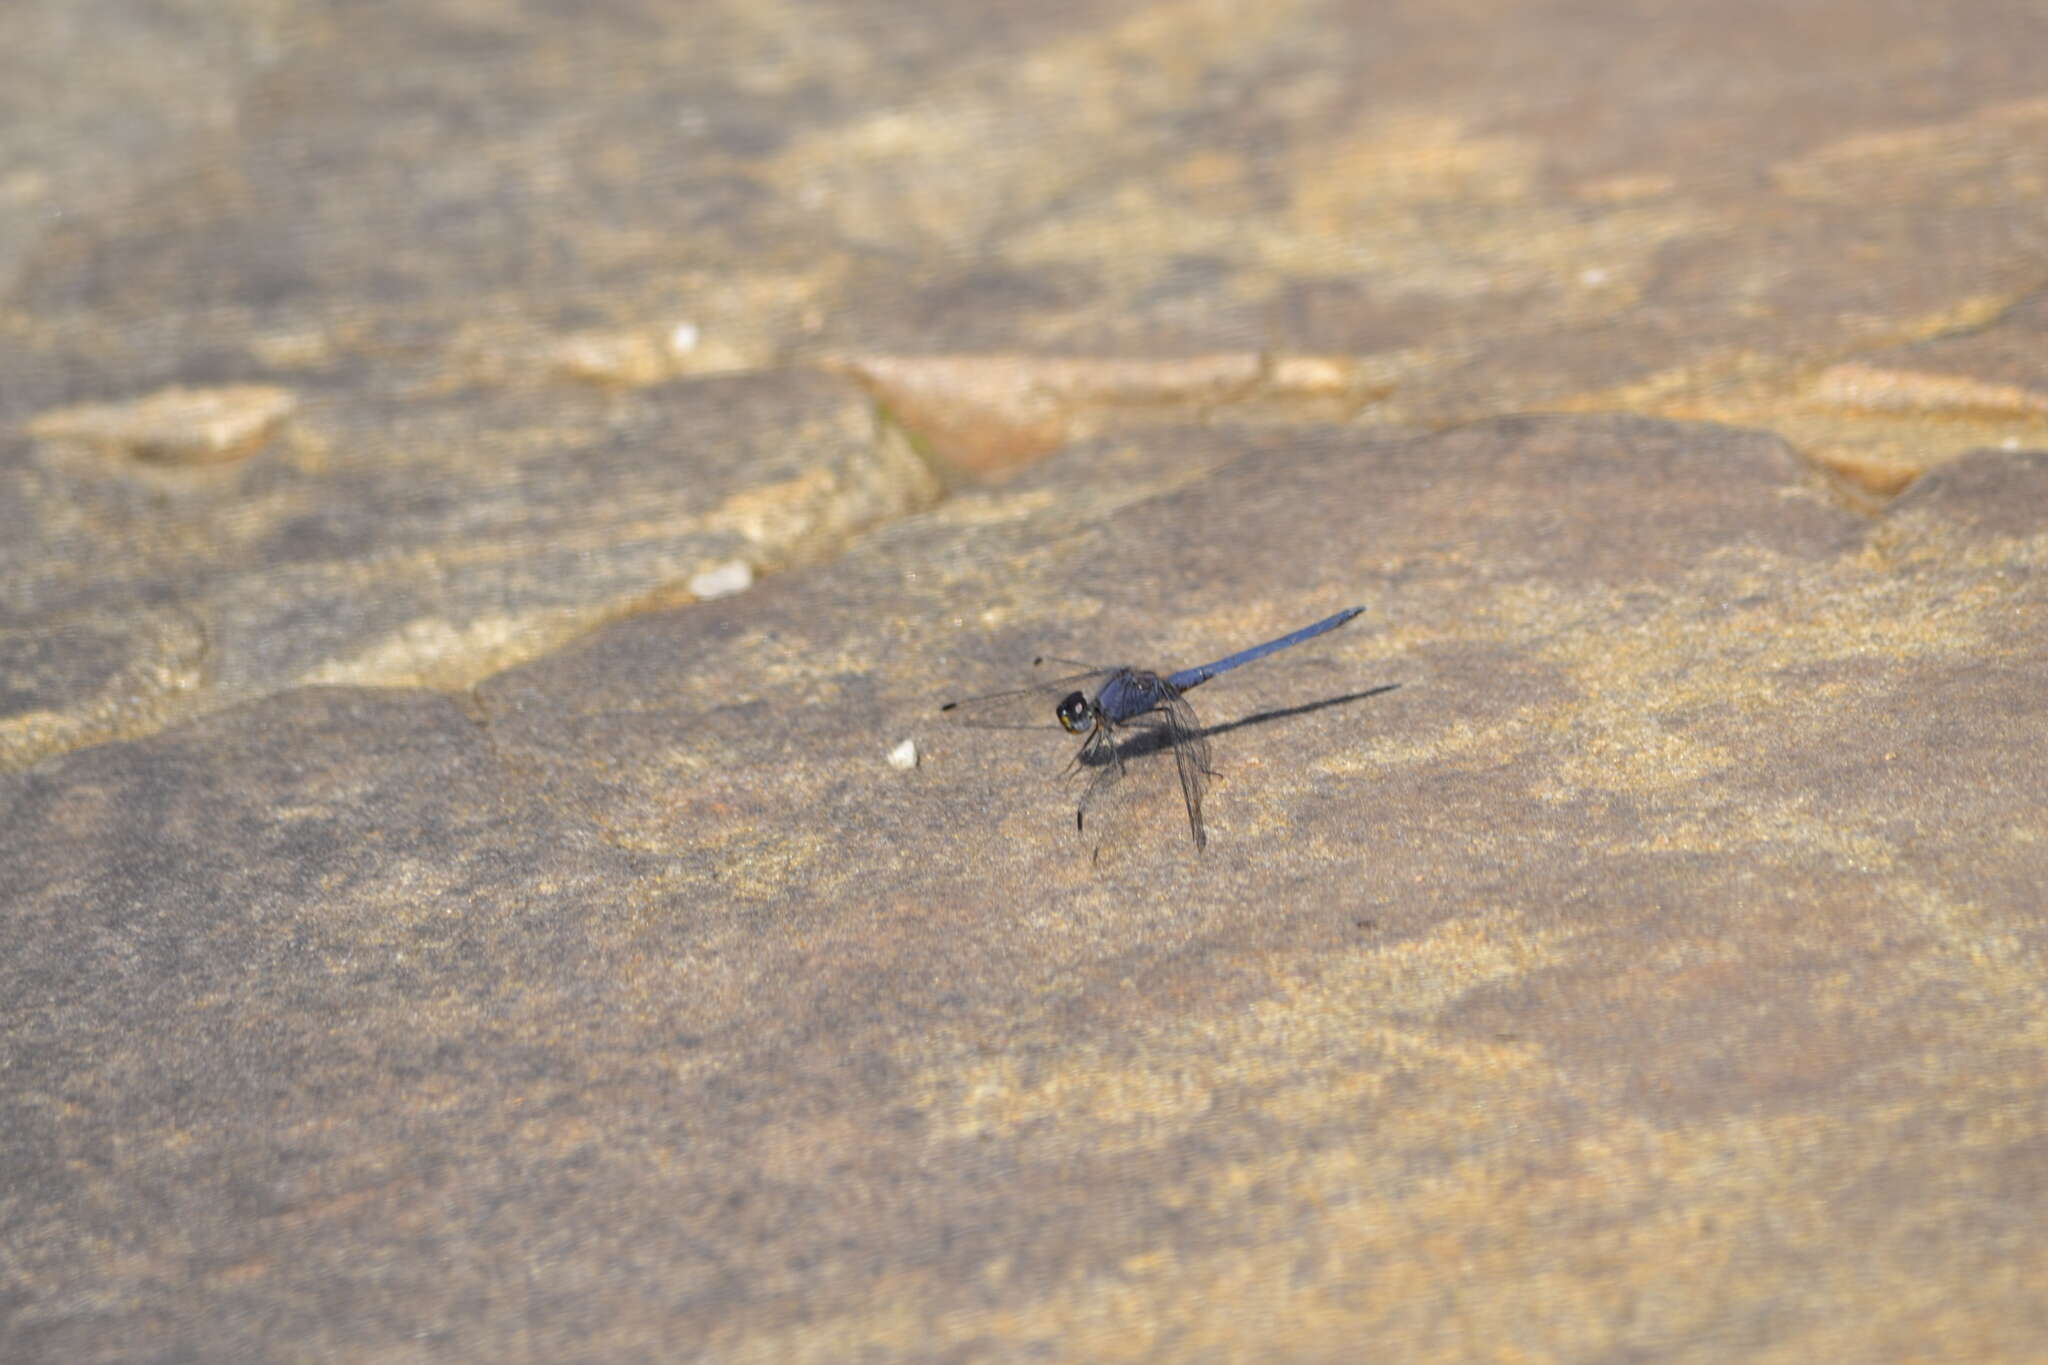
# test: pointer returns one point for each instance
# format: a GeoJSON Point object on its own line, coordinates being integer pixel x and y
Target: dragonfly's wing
{"type": "Point", "coordinates": [1191, 756]}
{"type": "Point", "coordinates": [1024, 708]}
{"type": "Point", "coordinates": [1170, 724]}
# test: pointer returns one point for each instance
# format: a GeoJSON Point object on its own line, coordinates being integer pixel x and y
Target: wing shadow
{"type": "Point", "coordinates": [1152, 740]}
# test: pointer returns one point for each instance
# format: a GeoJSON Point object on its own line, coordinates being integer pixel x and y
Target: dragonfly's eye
{"type": "Point", "coordinates": [1074, 713]}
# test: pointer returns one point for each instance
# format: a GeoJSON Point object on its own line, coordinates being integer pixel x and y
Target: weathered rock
{"type": "Point", "coordinates": [1655, 967]}
{"type": "Point", "coordinates": [176, 426]}
{"type": "Point", "coordinates": [1399, 220]}
{"type": "Point", "coordinates": [1655, 971]}
{"type": "Point", "coordinates": [334, 562]}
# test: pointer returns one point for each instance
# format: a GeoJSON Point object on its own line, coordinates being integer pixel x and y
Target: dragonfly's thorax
{"type": "Point", "coordinates": [1130, 692]}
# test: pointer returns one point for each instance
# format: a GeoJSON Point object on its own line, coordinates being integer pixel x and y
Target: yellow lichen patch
{"type": "Point", "coordinates": [1623, 189]}
{"type": "Point", "coordinates": [733, 321]}
{"type": "Point", "coordinates": [1633, 680]}
{"type": "Point", "coordinates": [1884, 455]}
{"type": "Point", "coordinates": [1870, 388]}
{"type": "Point", "coordinates": [1486, 745]}
{"type": "Point", "coordinates": [1317, 1048]}
{"type": "Point", "coordinates": [791, 519]}
{"type": "Point", "coordinates": [166, 666]}
{"type": "Point", "coordinates": [1878, 426]}
{"type": "Point", "coordinates": [631, 358]}
{"type": "Point", "coordinates": [1884, 426]}
{"type": "Point", "coordinates": [778, 514]}
{"type": "Point", "coordinates": [1514, 1250]}
{"type": "Point", "coordinates": [2006, 143]}
{"type": "Point", "coordinates": [1911, 538]}
{"type": "Point", "coordinates": [434, 652]}
{"type": "Point", "coordinates": [1404, 159]}
{"type": "Point", "coordinates": [1991, 963]}
{"type": "Point", "coordinates": [1000, 138]}
{"type": "Point", "coordinates": [1694, 687]}
{"type": "Point", "coordinates": [1373, 198]}
{"type": "Point", "coordinates": [1092, 1089]}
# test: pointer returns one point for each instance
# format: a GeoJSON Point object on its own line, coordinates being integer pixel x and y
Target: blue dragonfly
{"type": "Point", "coordinates": [1122, 713]}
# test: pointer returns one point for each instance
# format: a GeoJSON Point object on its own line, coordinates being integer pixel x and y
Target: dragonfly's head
{"type": "Point", "coordinates": [1076, 714]}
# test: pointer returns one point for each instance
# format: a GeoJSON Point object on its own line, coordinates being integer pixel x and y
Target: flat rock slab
{"type": "Point", "coordinates": [136, 597]}
{"type": "Point", "coordinates": [1657, 971]}
{"type": "Point", "coordinates": [319, 336]}
{"type": "Point", "coordinates": [492, 497]}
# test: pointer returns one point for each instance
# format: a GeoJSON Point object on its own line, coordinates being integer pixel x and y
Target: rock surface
{"type": "Point", "coordinates": [433, 927]}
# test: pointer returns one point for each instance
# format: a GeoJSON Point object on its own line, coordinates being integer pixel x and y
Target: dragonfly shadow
{"type": "Point", "coordinates": [1152, 740]}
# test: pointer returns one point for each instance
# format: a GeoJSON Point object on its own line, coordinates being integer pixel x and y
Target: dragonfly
{"type": "Point", "coordinates": [1122, 713]}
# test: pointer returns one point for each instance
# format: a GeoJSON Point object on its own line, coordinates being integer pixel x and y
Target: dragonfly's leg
{"type": "Point", "coordinates": [1091, 754]}
{"type": "Point", "coordinates": [1108, 763]}
{"type": "Point", "coordinates": [1097, 785]}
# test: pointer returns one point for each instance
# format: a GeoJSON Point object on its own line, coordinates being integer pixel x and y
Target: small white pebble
{"type": "Point", "coordinates": [1593, 277]}
{"type": "Point", "coordinates": [2010, 443]}
{"type": "Point", "coordinates": [904, 756]}
{"type": "Point", "coordinates": [683, 338]}
{"type": "Point", "coordinates": [733, 576]}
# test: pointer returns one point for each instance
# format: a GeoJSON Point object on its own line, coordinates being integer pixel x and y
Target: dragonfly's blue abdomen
{"type": "Point", "coordinates": [1195, 677]}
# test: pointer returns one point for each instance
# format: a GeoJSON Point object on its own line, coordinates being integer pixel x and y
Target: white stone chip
{"type": "Point", "coordinates": [733, 576]}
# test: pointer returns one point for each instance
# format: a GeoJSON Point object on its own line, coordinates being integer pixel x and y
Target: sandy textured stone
{"type": "Point", "coordinates": [482, 875]}
{"type": "Point", "coordinates": [1656, 971]}
{"type": "Point", "coordinates": [332, 561]}
{"type": "Point", "coordinates": [986, 414]}
{"type": "Point", "coordinates": [179, 426]}
{"type": "Point", "coordinates": [1022, 224]}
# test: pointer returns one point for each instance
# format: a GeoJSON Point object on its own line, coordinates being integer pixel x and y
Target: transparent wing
{"type": "Point", "coordinates": [1191, 757]}
{"type": "Point", "coordinates": [1171, 724]}
{"type": "Point", "coordinates": [1023, 708]}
